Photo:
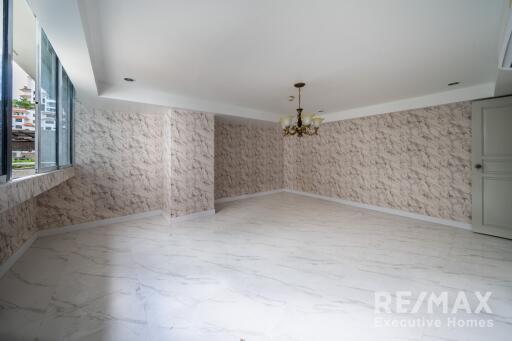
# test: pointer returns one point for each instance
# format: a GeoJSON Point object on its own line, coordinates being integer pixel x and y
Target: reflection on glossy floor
{"type": "Point", "coordinates": [278, 267]}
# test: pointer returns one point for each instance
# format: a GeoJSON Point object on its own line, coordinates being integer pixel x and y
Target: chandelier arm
{"type": "Point", "coordinates": [311, 131]}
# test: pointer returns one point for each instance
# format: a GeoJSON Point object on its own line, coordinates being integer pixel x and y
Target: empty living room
{"type": "Point", "coordinates": [265, 170]}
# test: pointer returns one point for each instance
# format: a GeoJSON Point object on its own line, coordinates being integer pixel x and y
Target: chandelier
{"type": "Point", "coordinates": [299, 125]}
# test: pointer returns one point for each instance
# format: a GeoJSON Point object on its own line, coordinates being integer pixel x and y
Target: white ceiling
{"type": "Point", "coordinates": [24, 37]}
{"type": "Point", "coordinates": [241, 57]}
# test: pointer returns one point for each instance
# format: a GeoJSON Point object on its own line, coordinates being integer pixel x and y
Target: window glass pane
{"type": "Point", "coordinates": [65, 119]}
{"type": "Point", "coordinates": [48, 95]}
{"type": "Point", "coordinates": [23, 90]}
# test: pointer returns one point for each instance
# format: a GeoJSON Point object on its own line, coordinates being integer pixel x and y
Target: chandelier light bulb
{"type": "Point", "coordinates": [306, 119]}
{"type": "Point", "coordinates": [285, 122]}
{"type": "Point", "coordinates": [317, 120]}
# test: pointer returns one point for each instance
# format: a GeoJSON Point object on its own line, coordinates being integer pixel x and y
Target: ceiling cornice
{"type": "Point", "coordinates": [452, 96]}
{"type": "Point", "coordinates": [129, 92]}
{"type": "Point", "coordinates": [68, 38]}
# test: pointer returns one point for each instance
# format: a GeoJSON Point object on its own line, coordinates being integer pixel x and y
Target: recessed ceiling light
{"type": "Point", "coordinates": [291, 98]}
{"type": "Point", "coordinates": [128, 79]}
{"type": "Point", "coordinates": [453, 83]}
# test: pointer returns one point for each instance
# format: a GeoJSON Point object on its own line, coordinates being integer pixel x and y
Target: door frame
{"type": "Point", "coordinates": [477, 158]}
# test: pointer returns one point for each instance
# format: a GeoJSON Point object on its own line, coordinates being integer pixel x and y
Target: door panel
{"type": "Point", "coordinates": [497, 198]}
{"type": "Point", "coordinates": [492, 182]}
{"type": "Point", "coordinates": [497, 136]}
{"type": "Point", "coordinates": [497, 166]}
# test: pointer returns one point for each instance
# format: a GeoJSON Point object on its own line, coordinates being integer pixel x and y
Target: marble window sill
{"type": "Point", "coordinates": [17, 191]}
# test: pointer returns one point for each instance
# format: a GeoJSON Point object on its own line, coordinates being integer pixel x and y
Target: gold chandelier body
{"type": "Point", "coordinates": [302, 124]}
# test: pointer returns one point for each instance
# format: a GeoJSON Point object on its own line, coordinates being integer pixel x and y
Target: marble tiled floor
{"type": "Point", "coordinates": [279, 267]}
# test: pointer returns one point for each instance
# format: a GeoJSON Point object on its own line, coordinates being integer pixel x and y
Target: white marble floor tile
{"type": "Point", "coordinates": [278, 267]}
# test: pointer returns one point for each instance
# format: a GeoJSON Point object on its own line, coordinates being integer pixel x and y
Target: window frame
{"type": "Point", "coordinates": [6, 89]}
{"type": "Point", "coordinates": [70, 115]}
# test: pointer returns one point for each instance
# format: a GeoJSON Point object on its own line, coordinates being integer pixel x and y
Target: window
{"type": "Point", "coordinates": [24, 74]}
{"type": "Point", "coordinates": [47, 109]}
{"type": "Point", "coordinates": [36, 96]}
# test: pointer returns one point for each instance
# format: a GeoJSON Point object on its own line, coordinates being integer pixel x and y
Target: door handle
{"type": "Point", "coordinates": [478, 166]}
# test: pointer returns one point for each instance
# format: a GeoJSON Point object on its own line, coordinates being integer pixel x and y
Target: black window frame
{"type": "Point", "coordinates": [60, 70]}
{"type": "Point", "coordinates": [6, 95]}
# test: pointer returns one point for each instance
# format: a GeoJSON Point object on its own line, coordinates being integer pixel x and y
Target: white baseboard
{"type": "Point", "coordinates": [16, 255]}
{"type": "Point", "coordinates": [393, 211]}
{"type": "Point", "coordinates": [54, 231]}
{"type": "Point", "coordinates": [70, 228]}
{"type": "Point", "coordinates": [246, 196]}
{"type": "Point", "coordinates": [187, 217]}
{"type": "Point", "coordinates": [97, 223]}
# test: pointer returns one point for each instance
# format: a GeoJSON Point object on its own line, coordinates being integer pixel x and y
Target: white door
{"type": "Point", "coordinates": [492, 166]}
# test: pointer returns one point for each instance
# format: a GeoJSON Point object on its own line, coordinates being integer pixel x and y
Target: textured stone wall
{"type": "Point", "coordinates": [417, 160]}
{"type": "Point", "coordinates": [15, 192]}
{"type": "Point", "coordinates": [191, 164]}
{"type": "Point", "coordinates": [118, 157]}
{"type": "Point", "coordinates": [18, 208]}
{"type": "Point", "coordinates": [17, 225]}
{"type": "Point", "coordinates": [125, 162]}
{"type": "Point", "coordinates": [131, 162]}
{"type": "Point", "coordinates": [248, 158]}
